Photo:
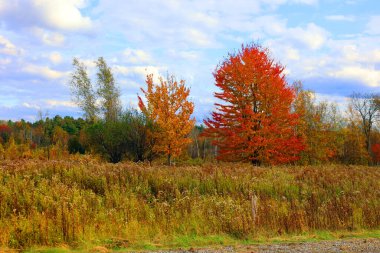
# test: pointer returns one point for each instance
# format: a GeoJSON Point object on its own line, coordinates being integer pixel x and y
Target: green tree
{"type": "Point", "coordinates": [83, 91]}
{"type": "Point", "coordinates": [86, 94]}
{"type": "Point", "coordinates": [139, 128]}
{"type": "Point", "coordinates": [107, 91]}
{"type": "Point", "coordinates": [108, 139]}
{"type": "Point", "coordinates": [128, 137]}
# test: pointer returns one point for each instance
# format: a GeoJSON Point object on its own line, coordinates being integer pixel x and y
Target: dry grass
{"type": "Point", "coordinates": [77, 201]}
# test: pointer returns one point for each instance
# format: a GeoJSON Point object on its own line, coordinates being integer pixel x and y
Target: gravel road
{"type": "Point", "coordinates": [341, 246]}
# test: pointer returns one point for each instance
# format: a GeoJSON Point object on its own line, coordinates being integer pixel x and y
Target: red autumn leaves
{"type": "Point", "coordinates": [254, 121]}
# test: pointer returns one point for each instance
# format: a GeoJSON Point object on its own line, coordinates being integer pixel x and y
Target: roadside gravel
{"type": "Point", "coordinates": [340, 246]}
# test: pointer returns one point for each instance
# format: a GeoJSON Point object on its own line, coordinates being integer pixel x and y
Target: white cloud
{"type": "Point", "coordinates": [340, 101]}
{"type": "Point", "coordinates": [277, 3]}
{"type": "Point", "coordinates": [283, 51]}
{"type": "Point", "coordinates": [5, 61]}
{"type": "Point", "coordinates": [188, 37]}
{"type": "Point", "coordinates": [31, 105]}
{"type": "Point", "coordinates": [205, 19]}
{"type": "Point", "coordinates": [48, 38]}
{"type": "Point", "coordinates": [271, 25]}
{"type": "Point", "coordinates": [276, 29]}
{"type": "Point", "coordinates": [188, 24]}
{"type": "Point", "coordinates": [368, 76]}
{"type": "Point", "coordinates": [340, 18]}
{"type": "Point", "coordinates": [373, 25]}
{"type": "Point", "coordinates": [136, 56]}
{"type": "Point", "coordinates": [49, 103]}
{"type": "Point", "coordinates": [63, 15]}
{"type": "Point", "coordinates": [312, 36]}
{"type": "Point", "coordinates": [140, 71]}
{"type": "Point", "coordinates": [55, 57]}
{"type": "Point", "coordinates": [54, 103]}
{"type": "Point", "coordinates": [190, 55]}
{"type": "Point", "coordinates": [54, 14]}
{"type": "Point", "coordinates": [310, 2]}
{"type": "Point", "coordinates": [351, 2]}
{"type": "Point", "coordinates": [363, 50]}
{"type": "Point", "coordinates": [43, 71]}
{"type": "Point", "coordinates": [353, 54]}
{"type": "Point", "coordinates": [54, 39]}
{"type": "Point", "coordinates": [292, 53]}
{"type": "Point", "coordinates": [350, 52]}
{"type": "Point", "coordinates": [6, 47]}
{"type": "Point", "coordinates": [198, 37]}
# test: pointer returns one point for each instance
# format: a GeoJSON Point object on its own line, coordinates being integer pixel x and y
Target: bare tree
{"type": "Point", "coordinates": [368, 108]}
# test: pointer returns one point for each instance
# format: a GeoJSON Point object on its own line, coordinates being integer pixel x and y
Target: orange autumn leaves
{"type": "Point", "coordinates": [170, 110]}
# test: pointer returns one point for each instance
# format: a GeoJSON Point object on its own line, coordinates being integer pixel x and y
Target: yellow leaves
{"type": "Point", "coordinates": [2, 151]}
{"type": "Point", "coordinates": [11, 152]}
{"type": "Point", "coordinates": [168, 107]}
{"type": "Point", "coordinates": [60, 136]}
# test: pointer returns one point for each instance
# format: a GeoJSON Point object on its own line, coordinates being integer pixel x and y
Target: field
{"type": "Point", "coordinates": [81, 203]}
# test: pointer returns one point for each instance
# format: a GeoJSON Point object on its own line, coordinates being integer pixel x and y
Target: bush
{"type": "Point", "coordinates": [74, 146]}
{"type": "Point", "coordinates": [126, 137]}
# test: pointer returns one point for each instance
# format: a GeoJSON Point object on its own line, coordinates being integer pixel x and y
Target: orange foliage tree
{"type": "Point", "coordinates": [320, 125]}
{"type": "Point", "coordinates": [254, 121]}
{"type": "Point", "coordinates": [170, 110]}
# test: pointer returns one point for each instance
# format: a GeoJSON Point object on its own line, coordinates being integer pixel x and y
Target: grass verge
{"type": "Point", "coordinates": [211, 241]}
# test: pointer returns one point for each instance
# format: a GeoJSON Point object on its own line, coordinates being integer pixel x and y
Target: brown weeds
{"type": "Point", "coordinates": [55, 202]}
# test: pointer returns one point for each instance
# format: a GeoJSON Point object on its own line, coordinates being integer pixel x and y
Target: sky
{"type": "Point", "coordinates": [332, 46]}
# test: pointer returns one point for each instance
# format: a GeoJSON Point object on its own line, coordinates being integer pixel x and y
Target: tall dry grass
{"type": "Point", "coordinates": [53, 202]}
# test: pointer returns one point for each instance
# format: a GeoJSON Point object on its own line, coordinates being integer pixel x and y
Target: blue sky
{"type": "Point", "coordinates": [333, 46]}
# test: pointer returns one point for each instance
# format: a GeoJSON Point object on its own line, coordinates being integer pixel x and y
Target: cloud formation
{"type": "Point", "coordinates": [333, 48]}
{"type": "Point", "coordinates": [6, 47]}
{"type": "Point", "coordinates": [43, 71]}
{"type": "Point", "coordinates": [349, 18]}
{"type": "Point", "coordinates": [373, 26]}
{"type": "Point", "coordinates": [52, 14]}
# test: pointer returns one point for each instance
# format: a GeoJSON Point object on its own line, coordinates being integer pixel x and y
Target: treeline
{"type": "Point", "coordinates": [331, 136]}
{"type": "Point", "coordinates": [57, 137]}
{"type": "Point", "coordinates": [261, 120]}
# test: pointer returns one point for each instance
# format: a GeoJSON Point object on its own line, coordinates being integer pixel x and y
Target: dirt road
{"type": "Point", "coordinates": [340, 246]}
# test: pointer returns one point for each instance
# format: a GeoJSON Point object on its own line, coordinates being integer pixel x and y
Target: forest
{"type": "Point", "coordinates": [271, 162]}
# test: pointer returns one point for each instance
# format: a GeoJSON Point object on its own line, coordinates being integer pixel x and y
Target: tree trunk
{"type": "Point", "coordinates": [204, 150]}
{"type": "Point", "coordinates": [255, 161]}
{"type": "Point", "coordinates": [196, 142]}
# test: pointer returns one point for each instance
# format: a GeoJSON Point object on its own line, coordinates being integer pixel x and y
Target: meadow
{"type": "Point", "coordinates": [83, 201]}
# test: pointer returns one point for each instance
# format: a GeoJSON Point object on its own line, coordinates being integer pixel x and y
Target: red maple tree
{"type": "Point", "coordinates": [376, 153]}
{"type": "Point", "coordinates": [5, 133]}
{"type": "Point", "coordinates": [254, 121]}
